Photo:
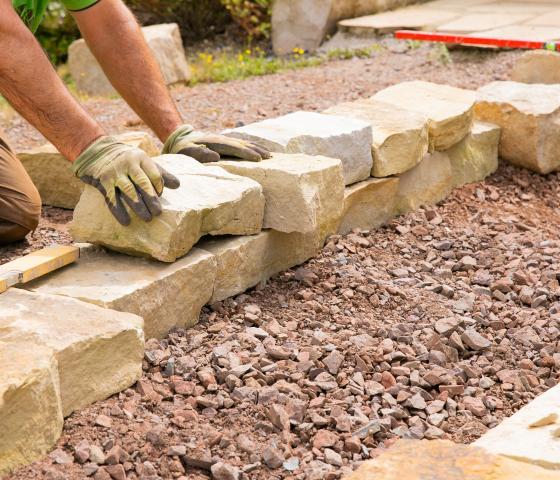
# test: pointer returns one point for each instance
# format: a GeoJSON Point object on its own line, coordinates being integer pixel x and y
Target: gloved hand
{"type": "Point", "coordinates": [124, 174]}
{"type": "Point", "coordinates": [207, 147]}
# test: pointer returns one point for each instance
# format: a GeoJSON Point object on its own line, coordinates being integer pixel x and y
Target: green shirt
{"type": "Point", "coordinates": [32, 11]}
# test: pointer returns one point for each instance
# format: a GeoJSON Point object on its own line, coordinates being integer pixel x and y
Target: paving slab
{"type": "Point", "coordinates": [209, 201]}
{"type": "Point", "coordinates": [528, 116]}
{"type": "Point", "coordinates": [522, 32]}
{"type": "Point", "coordinates": [476, 156]}
{"type": "Point", "coordinates": [316, 134]}
{"type": "Point", "coordinates": [499, 6]}
{"type": "Point", "coordinates": [303, 193]}
{"type": "Point", "coordinates": [449, 110]}
{"type": "Point", "coordinates": [30, 409]}
{"type": "Point", "coordinates": [368, 204]}
{"type": "Point", "coordinates": [52, 173]}
{"type": "Point", "coordinates": [537, 66]}
{"type": "Point", "coordinates": [477, 22]}
{"type": "Point", "coordinates": [548, 19]}
{"type": "Point", "coordinates": [99, 351]}
{"type": "Point", "coordinates": [400, 136]}
{"type": "Point", "coordinates": [164, 295]}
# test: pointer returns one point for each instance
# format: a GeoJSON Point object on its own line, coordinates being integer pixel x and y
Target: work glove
{"type": "Point", "coordinates": [208, 147]}
{"type": "Point", "coordinates": [124, 174]}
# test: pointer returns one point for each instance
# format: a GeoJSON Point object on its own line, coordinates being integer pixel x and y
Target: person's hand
{"type": "Point", "coordinates": [124, 174]}
{"type": "Point", "coordinates": [208, 147]}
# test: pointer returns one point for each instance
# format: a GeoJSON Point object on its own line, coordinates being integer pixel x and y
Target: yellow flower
{"type": "Point", "coordinates": [248, 52]}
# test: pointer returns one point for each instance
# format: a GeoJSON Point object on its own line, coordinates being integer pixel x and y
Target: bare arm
{"type": "Point", "coordinates": [29, 82]}
{"type": "Point", "coordinates": [114, 37]}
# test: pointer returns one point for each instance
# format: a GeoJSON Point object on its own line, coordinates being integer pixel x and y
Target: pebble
{"type": "Point", "coordinates": [224, 471]}
{"type": "Point", "coordinates": [272, 457]}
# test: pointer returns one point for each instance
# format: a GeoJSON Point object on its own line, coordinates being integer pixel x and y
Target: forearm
{"type": "Point", "coordinates": [29, 82]}
{"type": "Point", "coordinates": [114, 37]}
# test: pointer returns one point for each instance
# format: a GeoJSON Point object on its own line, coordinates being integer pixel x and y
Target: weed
{"type": "Point", "coordinates": [440, 53]}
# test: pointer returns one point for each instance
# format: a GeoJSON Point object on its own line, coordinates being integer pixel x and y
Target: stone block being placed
{"type": "Point", "coordinates": [427, 183]}
{"type": "Point", "coordinates": [476, 156]}
{"type": "Point", "coordinates": [529, 116]}
{"type": "Point", "coordinates": [400, 136]}
{"type": "Point", "coordinates": [52, 173]}
{"type": "Point", "coordinates": [164, 295]}
{"type": "Point", "coordinates": [313, 133]}
{"type": "Point", "coordinates": [30, 409]}
{"type": "Point", "coordinates": [449, 110]}
{"type": "Point", "coordinates": [165, 44]}
{"type": "Point", "coordinates": [368, 204]}
{"type": "Point", "coordinates": [209, 201]}
{"type": "Point", "coordinates": [303, 193]}
{"type": "Point", "coordinates": [537, 66]}
{"type": "Point", "coordinates": [99, 351]}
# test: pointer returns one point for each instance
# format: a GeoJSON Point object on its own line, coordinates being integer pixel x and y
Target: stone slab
{"type": "Point", "coordinates": [522, 32]}
{"type": "Point", "coordinates": [400, 136]}
{"type": "Point", "coordinates": [209, 201]}
{"type": "Point", "coordinates": [444, 460]}
{"type": "Point", "coordinates": [368, 204]}
{"type": "Point", "coordinates": [30, 410]}
{"type": "Point", "coordinates": [514, 438]}
{"type": "Point", "coordinates": [165, 44]}
{"type": "Point", "coordinates": [99, 351]}
{"type": "Point", "coordinates": [537, 66]}
{"type": "Point", "coordinates": [164, 295]}
{"type": "Point", "coordinates": [316, 134]}
{"type": "Point", "coordinates": [52, 173]}
{"type": "Point", "coordinates": [303, 193]}
{"type": "Point", "coordinates": [526, 6]}
{"type": "Point", "coordinates": [428, 183]}
{"type": "Point", "coordinates": [449, 110]}
{"type": "Point", "coordinates": [477, 22]}
{"type": "Point", "coordinates": [529, 118]}
{"type": "Point", "coordinates": [548, 19]}
{"type": "Point", "coordinates": [476, 156]}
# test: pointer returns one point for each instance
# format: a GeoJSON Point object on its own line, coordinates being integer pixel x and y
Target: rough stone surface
{"type": "Point", "coordinates": [528, 116]}
{"type": "Point", "coordinates": [165, 43]}
{"type": "Point", "coordinates": [444, 460]}
{"type": "Point", "coordinates": [30, 410]}
{"type": "Point", "coordinates": [368, 204]}
{"type": "Point", "coordinates": [449, 109]}
{"type": "Point", "coordinates": [303, 193]}
{"type": "Point", "coordinates": [515, 438]}
{"type": "Point", "coordinates": [99, 352]}
{"type": "Point", "coordinates": [476, 156]}
{"type": "Point", "coordinates": [52, 173]}
{"type": "Point", "coordinates": [400, 136]}
{"type": "Point", "coordinates": [164, 295]}
{"type": "Point", "coordinates": [209, 201]}
{"type": "Point", "coordinates": [427, 183]}
{"type": "Point", "coordinates": [537, 66]}
{"type": "Point", "coordinates": [316, 134]}
{"type": "Point", "coordinates": [477, 22]}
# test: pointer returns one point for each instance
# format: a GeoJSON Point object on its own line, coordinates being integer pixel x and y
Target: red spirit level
{"type": "Point", "coordinates": [474, 40]}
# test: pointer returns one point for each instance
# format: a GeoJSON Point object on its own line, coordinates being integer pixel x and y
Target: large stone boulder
{"type": "Point", "coordinates": [400, 136]}
{"type": "Point", "coordinates": [529, 116]}
{"type": "Point", "coordinates": [209, 201]}
{"type": "Point", "coordinates": [537, 66]}
{"type": "Point", "coordinates": [52, 173]}
{"type": "Point", "coordinates": [313, 133]}
{"type": "Point", "coordinates": [449, 110]}
{"type": "Point", "coordinates": [165, 43]}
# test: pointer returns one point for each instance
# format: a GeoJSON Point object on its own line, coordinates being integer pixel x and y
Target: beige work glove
{"type": "Point", "coordinates": [208, 147]}
{"type": "Point", "coordinates": [124, 174]}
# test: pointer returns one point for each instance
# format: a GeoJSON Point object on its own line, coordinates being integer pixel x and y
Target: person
{"type": "Point", "coordinates": [130, 181]}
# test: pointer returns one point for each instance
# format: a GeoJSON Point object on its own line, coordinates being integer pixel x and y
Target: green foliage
{"type": "Point", "coordinates": [440, 53]}
{"type": "Point", "coordinates": [252, 16]}
{"type": "Point", "coordinates": [56, 32]}
{"type": "Point", "coordinates": [347, 53]}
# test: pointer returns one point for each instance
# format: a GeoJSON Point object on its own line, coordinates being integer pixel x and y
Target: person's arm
{"type": "Point", "coordinates": [30, 84]}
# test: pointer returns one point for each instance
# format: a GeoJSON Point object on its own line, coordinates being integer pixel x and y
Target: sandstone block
{"type": "Point", "coordinates": [209, 201]}
{"type": "Point", "coordinates": [427, 183]}
{"type": "Point", "coordinates": [515, 438]}
{"type": "Point", "coordinates": [303, 193]}
{"type": "Point", "coordinates": [316, 134]}
{"type": "Point", "coordinates": [244, 262]}
{"type": "Point", "coordinates": [99, 351]}
{"type": "Point", "coordinates": [30, 410]}
{"type": "Point", "coordinates": [368, 204]}
{"type": "Point", "coordinates": [163, 40]}
{"type": "Point", "coordinates": [444, 460]}
{"type": "Point", "coordinates": [529, 118]}
{"type": "Point", "coordinates": [164, 295]}
{"type": "Point", "coordinates": [476, 156]}
{"type": "Point", "coordinates": [537, 66]}
{"type": "Point", "coordinates": [449, 110]}
{"type": "Point", "coordinates": [400, 136]}
{"type": "Point", "coordinates": [52, 173]}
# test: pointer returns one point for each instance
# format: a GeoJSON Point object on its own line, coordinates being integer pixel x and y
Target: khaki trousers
{"type": "Point", "coordinates": [20, 203]}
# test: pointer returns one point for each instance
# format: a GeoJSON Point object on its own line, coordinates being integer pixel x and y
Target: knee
{"type": "Point", "coordinates": [19, 216]}
{"type": "Point", "coordinates": [12, 232]}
